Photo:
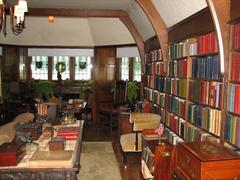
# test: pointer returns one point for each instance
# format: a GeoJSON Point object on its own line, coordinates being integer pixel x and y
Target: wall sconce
{"type": "Point", "coordinates": [51, 19]}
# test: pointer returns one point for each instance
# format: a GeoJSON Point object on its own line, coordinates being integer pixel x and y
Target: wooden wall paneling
{"type": "Point", "coordinates": [197, 24]}
{"type": "Point", "coordinates": [50, 66]}
{"type": "Point", "coordinates": [234, 9]}
{"type": "Point", "coordinates": [220, 11]}
{"type": "Point", "coordinates": [104, 75]}
{"type": "Point", "coordinates": [72, 68]}
{"type": "Point", "coordinates": [158, 25]}
{"type": "Point", "coordinates": [152, 44]}
{"type": "Point", "coordinates": [11, 63]}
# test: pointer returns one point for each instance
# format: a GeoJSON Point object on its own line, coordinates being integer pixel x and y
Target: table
{"type": "Point", "coordinates": [23, 171]}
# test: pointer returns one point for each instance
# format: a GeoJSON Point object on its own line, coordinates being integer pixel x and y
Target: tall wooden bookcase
{"type": "Point", "coordinates": [232, 123]}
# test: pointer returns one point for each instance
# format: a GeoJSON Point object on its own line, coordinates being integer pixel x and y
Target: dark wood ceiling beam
{"type": "Point", "coordinates": [158, 24]}
{"type": "Point", "coordinates": [76, 12]}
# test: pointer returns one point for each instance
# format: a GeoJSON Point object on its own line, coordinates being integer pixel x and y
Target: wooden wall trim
{"type": "Point", "coordinates": [197, 24]}
{"type": "Point", "coordinates": [136, 36]}
{"type": "Point", "coordinates": [76, 12]}
{"type": "Point", "coordinates": [235, 9]}
{"type": "Point", "coordinates": [158, 24]}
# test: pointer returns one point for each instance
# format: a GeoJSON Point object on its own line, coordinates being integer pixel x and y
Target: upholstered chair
{"type": "Point", "coordinates": [24, 118]}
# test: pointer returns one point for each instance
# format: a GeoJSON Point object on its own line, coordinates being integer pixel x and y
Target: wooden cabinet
{"type": "Point", "coordinates": [157, 159]}
{"type": "Point", "coordinates": [206, 160]}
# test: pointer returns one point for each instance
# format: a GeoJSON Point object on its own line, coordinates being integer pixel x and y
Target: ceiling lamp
{"type": "Point", "coordinates": [16, 16]}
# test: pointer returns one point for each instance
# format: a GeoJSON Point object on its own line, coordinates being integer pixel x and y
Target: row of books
{"type": "Point", "coordinates": [234, 73]}
{"type": "Point", "coordinates": [148, 158]}
{"type": "Point", "coordinates": [195, 134]}
{"type": "Point", "coordinates": [155, 82]}
{"type": "Point", "coordinates": [173, 138]}
{"type": "Point", "coordinates": [206, 92]}
{"type": "Point", "coordinates": [176, 124]}
{"type": "Point", "coordinates": [159, 110]}
{"type": "Point", "coordinates": [207, 43]}
{"type": "Point", "coordinates": [156, 68]}
{"type": "Point", "coordinates": [236, 36]}
{"type": "Point", "coordinates": [205, 117]}
{"type": "Point", "coordinates": [154, 55]}
{"type": "Point", "coordinates": [234, 98]}
{"type": "Point", "coordinates": [178, 87]}
{"type": "Point", "coordinates": [154, 96]}
{"type": "Point", "coordinates": [176, 105]}
{"type": "Point", "coordinates": [206, 67]}
{"type": "Point", "coordinates": [232, 134]}
{"type": "Point", "coordinates": [178, 68]}
{"type": "Point", "coordinates": [183, 49]}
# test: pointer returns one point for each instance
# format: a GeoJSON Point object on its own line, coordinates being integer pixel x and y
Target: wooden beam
{"type": "Point", "coordinates": [158, 24]}
{"type": "Point", "coordinates": [136, 36]}
{"type": "Point", "coordinates": [76, 12]}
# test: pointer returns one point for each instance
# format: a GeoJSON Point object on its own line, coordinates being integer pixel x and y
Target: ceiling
{"type": "Point", "coordinates": [97, 31]}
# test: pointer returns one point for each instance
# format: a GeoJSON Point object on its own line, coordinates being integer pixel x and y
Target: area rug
{"type": "Point", "coordinates": [98, 162]}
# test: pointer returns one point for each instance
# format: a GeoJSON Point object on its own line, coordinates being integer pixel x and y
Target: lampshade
{"type": "Point", "coordinates": [1, 2]}
{"type": "Point", "coordinates": [23, 5]}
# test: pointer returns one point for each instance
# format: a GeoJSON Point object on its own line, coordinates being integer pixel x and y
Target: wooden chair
{"type": "Point", "coordinates": [119, 98]}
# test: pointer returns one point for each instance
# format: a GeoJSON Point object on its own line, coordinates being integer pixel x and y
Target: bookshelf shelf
{"type": "Point", "coordinates": [179, 58]}
{"type": "Point", "coordinates": [236, 50]}
{"type": "Point", "coordinates": [203, 79]}
{"type": "Point", "coordinates": [205, 54]}
{"type": "Point", "coordinates": [205, 105]}
{"type": "Point", "coordinates": [234, 114]}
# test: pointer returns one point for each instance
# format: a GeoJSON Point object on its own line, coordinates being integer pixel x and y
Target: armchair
{"type": "Point", "coordinates": [132, 142]}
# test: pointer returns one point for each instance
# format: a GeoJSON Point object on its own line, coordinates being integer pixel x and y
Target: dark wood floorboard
{"type": "Point", "coordinates": [102, 133]}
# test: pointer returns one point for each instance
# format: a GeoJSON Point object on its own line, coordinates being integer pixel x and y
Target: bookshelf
{"type": "Point", "coordinates": [154, 76]}
{"type": "Point", "coordinates": [232, 124]}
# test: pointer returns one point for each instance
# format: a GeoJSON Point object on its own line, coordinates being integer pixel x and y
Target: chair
{"type": "Point", "coordinates": [132, 142]}
{"type": "Point", "coordinates": [119, 98]}
{"type": "Point", "coordinates": [24, 118]}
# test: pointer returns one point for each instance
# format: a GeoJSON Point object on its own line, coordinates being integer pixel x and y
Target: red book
{"type": "Point", "coordinates": [68, 131]}
{"type": "Point", "coordinates": [212, 94]}
{"type": "Point", "coordinates": [237, 99]}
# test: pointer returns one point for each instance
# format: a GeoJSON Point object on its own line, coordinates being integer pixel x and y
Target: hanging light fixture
{"type": "Point", "coordinates": [16, 16]}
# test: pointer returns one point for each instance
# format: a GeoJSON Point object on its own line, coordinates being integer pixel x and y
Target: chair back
{"type": "Point", "coordinates": [120, 93]}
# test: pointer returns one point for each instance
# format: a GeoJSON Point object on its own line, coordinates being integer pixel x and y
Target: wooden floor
{"type": "Point", "coordinates": [102, 133]}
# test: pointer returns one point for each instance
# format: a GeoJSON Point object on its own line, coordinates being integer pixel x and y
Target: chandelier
{"type": "Point", "coordinates": [16, 16]}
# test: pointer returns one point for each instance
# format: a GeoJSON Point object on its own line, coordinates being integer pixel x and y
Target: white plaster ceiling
{"type": "Point", "coordinates": [172, 12]}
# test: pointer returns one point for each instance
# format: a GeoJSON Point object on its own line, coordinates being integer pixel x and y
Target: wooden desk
{"type": "Point", "coordinates": [23, 171]}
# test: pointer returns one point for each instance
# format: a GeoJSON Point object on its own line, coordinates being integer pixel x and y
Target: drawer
{"type": "Point", "coordinates": [188, 164]}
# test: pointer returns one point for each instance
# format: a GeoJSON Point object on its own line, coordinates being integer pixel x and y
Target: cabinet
{"type": "Point", "coordinates": [157, 159]}
{"type": "Point", "coordinates": [205, 160]}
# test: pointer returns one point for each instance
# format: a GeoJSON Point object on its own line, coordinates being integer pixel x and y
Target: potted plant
{"type": "Point", "coordinates": [44, 89]}
{"type": "Point", "coordinates": [132, 94]}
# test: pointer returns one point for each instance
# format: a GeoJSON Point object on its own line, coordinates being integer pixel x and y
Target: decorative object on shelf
{"type": "Point", "coordinates": [44, 89]}
{"type": "Point", "coordinates": [82, 65]}
{"type": "Point", "coordinates": [60, 67]}
{"type": "Point", "coordinates": [39, 64]}
{"type": "Point", "coordinates": [160, 131]}
{"type": "Point", "coordinates": [17, 12]}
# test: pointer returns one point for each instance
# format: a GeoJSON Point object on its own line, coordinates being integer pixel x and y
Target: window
{"type": "Point", "coordinates": [83, 68]}
{"type": "Point", "coordinates": [124, 68]}
{"type": "Point", "coordinates": [66, 61]}
{"type": "Point", "coordinates": [39, 67]}
{"type": "Point", "coordinates": [137, 69]}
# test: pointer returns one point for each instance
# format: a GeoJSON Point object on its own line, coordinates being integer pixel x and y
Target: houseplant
{"type": "Point", "coordinates": [132, 94]}
{"type": "Point", "coordinates": [44, 89]}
